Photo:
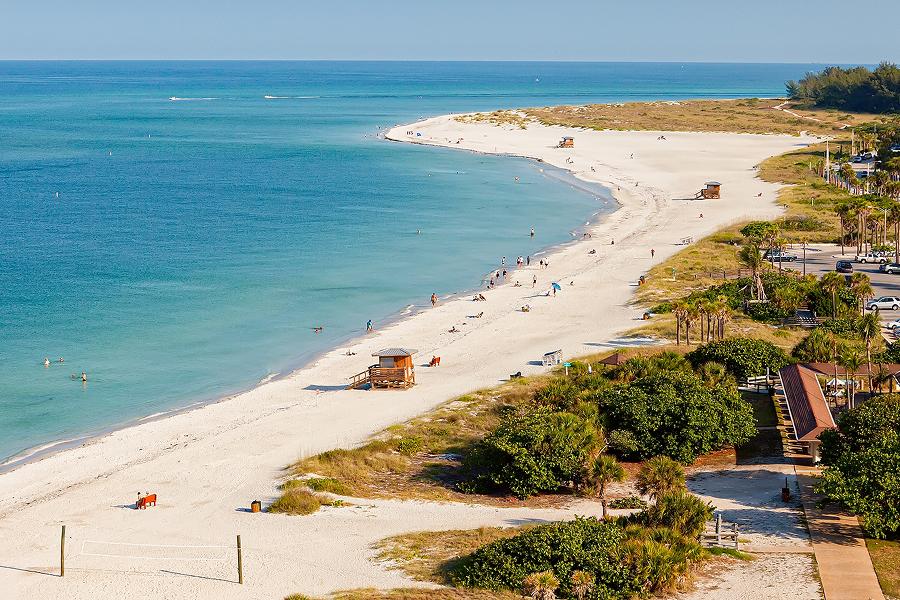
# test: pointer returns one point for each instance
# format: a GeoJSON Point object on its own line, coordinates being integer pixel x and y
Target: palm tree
{"type": "Point", "coordinates": [691, 314]}
{"type": "Point", "coordinates": [582, 583]}
{"type": "Point", "coordinates": [714, 373]}
{"type": "Point", "coordinates": [678, 309]}
{"type": "Point", "coordinates": [832, 282]}
{"type": "Point", "coordinates": [604, 470]}
{"type": "Point", "coordinates": [870, 329]}
{"type": "Point", "coordinates": [660, 475]}
{"type": "Point", "coordinates": [541, 586]}
{"type": "Point", "coordinates": [751, 258]}
{"type": "Point", "coordinates": [861, 288]}
{"type": "Point", "coordinates": [849, 358]}
{"type": "Point", "coordinates": [723, 315]}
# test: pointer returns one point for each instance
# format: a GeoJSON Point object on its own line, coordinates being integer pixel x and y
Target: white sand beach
{"type": "Point", "coordinates": [206, 465]}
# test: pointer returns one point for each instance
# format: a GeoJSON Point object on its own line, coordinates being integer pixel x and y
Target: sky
{"type": "Point", "coordinates": [586, 30]}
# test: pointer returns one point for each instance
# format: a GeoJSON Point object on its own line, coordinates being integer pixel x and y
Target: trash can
{"type": "Point", "coordinates": [255, 506]}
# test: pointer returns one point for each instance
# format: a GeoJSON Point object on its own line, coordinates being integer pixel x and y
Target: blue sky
{"type": "Point", "coordinates": [685, 30]}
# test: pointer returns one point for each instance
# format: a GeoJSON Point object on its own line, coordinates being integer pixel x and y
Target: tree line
{"type": "Point", "coordinates": [853, 89]}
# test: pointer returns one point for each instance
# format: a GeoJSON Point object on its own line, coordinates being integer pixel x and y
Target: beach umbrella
{"type": "Point", "coordinates": [556, 286]}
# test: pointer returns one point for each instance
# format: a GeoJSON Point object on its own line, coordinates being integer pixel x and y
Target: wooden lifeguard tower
{"type": "Point", "coordinates": [394, 370]}
{"type": "Point", "coordinates": [567, 142]}
{"type": "Point", "coordinates": [712, 191]}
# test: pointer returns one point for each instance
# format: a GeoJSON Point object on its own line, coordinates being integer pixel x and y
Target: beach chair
{"type": "Point", "coordinates": [148, 500]}
{"type": "Point", "coordinates": [435, 361]}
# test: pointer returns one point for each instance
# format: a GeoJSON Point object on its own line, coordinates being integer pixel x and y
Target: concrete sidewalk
{"type": "Point", "coordinates": [845, 567]}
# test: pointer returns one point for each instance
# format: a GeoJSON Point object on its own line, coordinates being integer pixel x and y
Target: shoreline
{"type": "Point", "coordinates": [207, 462]}
{"type": "Point", "coordinates": [41, 451]}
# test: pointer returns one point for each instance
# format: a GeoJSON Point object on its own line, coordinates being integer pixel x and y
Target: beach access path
{"type": "Point", "coordinates": [208, 464]}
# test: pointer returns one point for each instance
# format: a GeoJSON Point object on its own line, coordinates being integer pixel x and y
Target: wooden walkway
{"type": "Point", "coordinates": [845, 567]}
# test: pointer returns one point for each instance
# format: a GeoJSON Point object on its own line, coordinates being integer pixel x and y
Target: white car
{"type": "Point", "coordinates": [884, 303]}
{"type": "Point", "coordinates": [893, 325]}
{"type": "Point", "coordinates": [871, 257]}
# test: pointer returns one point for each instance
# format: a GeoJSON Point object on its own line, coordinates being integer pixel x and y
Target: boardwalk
{"type": "Point", "coordinates": [844, 563]}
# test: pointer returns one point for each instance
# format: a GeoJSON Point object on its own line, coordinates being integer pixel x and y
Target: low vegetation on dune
{"type": "Point", "coordinates": [548, 437]}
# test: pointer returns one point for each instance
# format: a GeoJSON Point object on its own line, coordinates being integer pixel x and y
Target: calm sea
{"type": "Point", "coordinates": [177, 229]}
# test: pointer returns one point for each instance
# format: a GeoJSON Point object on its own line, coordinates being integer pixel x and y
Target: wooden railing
{"type": "Point", "coordinates": [383, 377]}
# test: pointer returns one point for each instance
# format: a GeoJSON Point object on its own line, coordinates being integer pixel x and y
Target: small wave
{"type": "Point", "coordinates": [276, 97]}
{"type": "Point", "coordinates": [268, 97]}
{"type": "Point", "coordinates": [268, 378]}
{"type": "Point", "coordinates": [178, 99]}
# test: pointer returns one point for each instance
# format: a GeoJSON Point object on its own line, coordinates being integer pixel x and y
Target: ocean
{"type": "Point", "coordinates": [177, 229]}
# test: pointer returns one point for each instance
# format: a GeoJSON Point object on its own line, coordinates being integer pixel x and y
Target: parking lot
{"type": "Point", "coordinates": [821, 258]}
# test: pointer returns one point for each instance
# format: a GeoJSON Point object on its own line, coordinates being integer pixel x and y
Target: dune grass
{"type": "Point", "coordinates": [419, 458]}
{"type": "Point", "coordinates": [747, 115]}
{"type": "Point", "coordinates": [426, 594]}
{"type": "Point", "coordinates": [298, 501]}
{"type": "Point", "coordinates": [427, 555]}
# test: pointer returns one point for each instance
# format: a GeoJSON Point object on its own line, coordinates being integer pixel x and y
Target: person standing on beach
{"type": "Point", "coordinates": [433, 300]}
{"type": "Point", "coordinates": [534, 281]}
{"type": "Point", "coordinates": [369, 328]}
{"type": "Point", "coordinates": [652, 252]}
{"type": "Point", "coordinates": [528, 261]}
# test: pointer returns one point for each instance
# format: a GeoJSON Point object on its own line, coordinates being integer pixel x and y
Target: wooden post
{"type": "Point", "coordinates": [735, 529]}
{"type": "Point", "coordinates": [62, 552]}
{"type": "Point", "coordinates": [240, 562]}
{"type": "Point", "coordinates": [718, 529]}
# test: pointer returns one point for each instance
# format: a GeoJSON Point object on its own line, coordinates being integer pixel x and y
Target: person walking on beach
{"type": "Point", "coordinates": [369, 328]}
{"type": "Point", "coordinates": [433, 300]}
{"type": "Point", "coordinates": [652, 252]}
{"type": "Point", "coordinates": [534, 281]}
{"type": "Point", "coordinates": [528, 261]}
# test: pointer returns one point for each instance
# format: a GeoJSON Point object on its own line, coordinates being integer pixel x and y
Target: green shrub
{"type": "Point", "coordinates": [532, 453]}
{"type": "Point", "coordinates": [409, 445]}
{"type": "Point", "coordinates": [629, 502]}
{"type": "Point", "coordinates": [679, 511]}
{"type": "Point", "coordinates": [743, 357]}
{"type": "Point", "coordinates": [675, 414]}
{"type": "Point", "coordinates": [862, 464]}
{"type": "Point", "coordinates": [846, 326]}
{"type": "Point", "coordinates": [816, 347]}
{"type": "Point", "coordinates": [767, 312]}
{"type": "Point", "coordinates": [585, 544]}
{"type": "Point", "coordinates": [327, 484]}
{"type": "Point", "coordinates": [297, 501]}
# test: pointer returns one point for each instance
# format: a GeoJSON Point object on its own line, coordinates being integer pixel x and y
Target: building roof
{"type": "Point", "coordinates": [713, 183]}
{"type": "Point", "coordinates": [395, 352]}
{"type": "Point", "coordinates": [568, 137]}
{"type": "Point", "coordinates": [806, 403]}
{"type": "Point", "coordinates": [827, 369]}
{"type": "Point", "coordinates": [615, 359]}
{"type": "Point", "coordinates": [553, 352]}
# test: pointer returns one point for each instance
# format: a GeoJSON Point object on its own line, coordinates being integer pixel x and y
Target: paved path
{"type": "Point", "coordinates": [845, 567]}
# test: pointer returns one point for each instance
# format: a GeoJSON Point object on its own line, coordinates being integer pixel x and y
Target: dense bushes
{"type": "Point", "coordinates": [862, 461]}
{"type": "Point", "coordinates": [531, 453]}
{"type": "Point", "coordinates": [585, 544]}
{"type": "Point", "coordinates": [852, 89]}
{"type": "Point", "coordinates": [674, 414]}
{"type": "Point", "coordinates": [625, 558]}
{"type": "Point", "coordinates": [743, 357]}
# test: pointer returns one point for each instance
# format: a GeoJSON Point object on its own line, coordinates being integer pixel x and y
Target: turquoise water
{"type": "Point", "coordinates": [194, 243]}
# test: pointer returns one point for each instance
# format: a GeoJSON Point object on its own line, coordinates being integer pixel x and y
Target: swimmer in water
{"type": "Point", "coordinates": [46, 362]}
{"type": "Point", "coordinates": [83, 377]}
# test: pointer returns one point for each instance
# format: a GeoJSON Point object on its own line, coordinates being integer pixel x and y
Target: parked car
{"type": "Point", "coordinates": [843, 266]}
{"type": "Point", "coordinates": [779, 256]}
{"type": "Point", "coordinates": [895, 148]}
{"type": "Point", "coordinates": [884, 303]}
{"type": "Point", "coordinates": [893, 325]}
{"type": "Point", "coordinates": [871, 257]}
{"type": "Point", "coordinates": [890, 268]}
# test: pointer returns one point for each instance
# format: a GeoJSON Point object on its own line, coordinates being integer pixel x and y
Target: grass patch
{"type": "Point", "coordinates": [298, 501]}
{"type": "Point", "coordinates": [427, 555]}
{"type": "Point", "coordinates": [718, 551]}
{"type": "Point", "coordinates": [886, 560]}
{"type": "Point", "coordinates": [748, 115]}
{"type": "Point", "coordinates": [327, 484]}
